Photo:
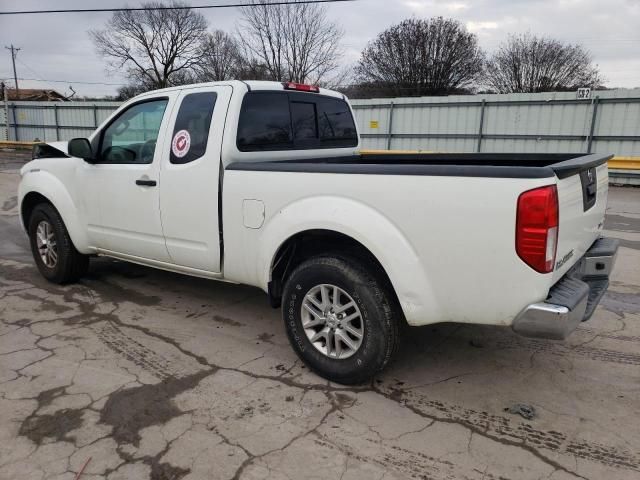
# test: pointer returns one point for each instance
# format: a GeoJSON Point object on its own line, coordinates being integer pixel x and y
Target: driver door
{"type": "Point", "coordinates": [124, 211]}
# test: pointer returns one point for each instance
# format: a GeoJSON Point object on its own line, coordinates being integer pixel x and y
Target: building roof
{"type": "Point", "coordinates": [35, 94]}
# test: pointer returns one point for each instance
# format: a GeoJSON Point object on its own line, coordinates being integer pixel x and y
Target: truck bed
{"type": "Point", "coordinates": [455, 212]}
{"type": "Point", "coordinates": [495, 165]}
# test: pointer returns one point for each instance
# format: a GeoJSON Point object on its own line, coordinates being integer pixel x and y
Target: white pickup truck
{"type": "Point", "coordinates": [263, 183]}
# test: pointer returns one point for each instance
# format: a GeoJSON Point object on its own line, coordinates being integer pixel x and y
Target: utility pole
{"type": "Point", "coordinates": [14, 54]}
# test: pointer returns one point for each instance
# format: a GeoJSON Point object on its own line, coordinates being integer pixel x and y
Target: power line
{"type": "Point", "coordinates": [69, 81]}
{"type": "Point", "coordinates": [28, 68]}
{"type": "Point", "coordinates": [346, 85]}
{"type": "Point", "coordinates": [196, 7]}
{"type": "Point", "coordinates": [33, 72]}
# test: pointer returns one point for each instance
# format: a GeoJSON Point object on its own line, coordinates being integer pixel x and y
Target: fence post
{"type": "Point", "coordinates": [479, 147]}
{"type": "Point", "coordinates": [55, 116]}
{"type": "Point", "coordinates": [15, 122]}
{"type": "Point", "coordinates": [5, 97]}
{"type": "Point", "coordinates": [390, 129]}
{"type": "Point", "coordinates": [95, 116]}
{"type": "Point", "coordinates": [594, 115]}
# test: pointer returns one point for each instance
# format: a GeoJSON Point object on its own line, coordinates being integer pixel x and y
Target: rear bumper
{"type": "Point", "coordinates": [574, 298]}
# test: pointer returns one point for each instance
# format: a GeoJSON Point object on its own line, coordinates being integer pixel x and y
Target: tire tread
{"type": "Point", "coordinates": [384, 300]}
{"type": "Point", "coordinates": [72, 265]}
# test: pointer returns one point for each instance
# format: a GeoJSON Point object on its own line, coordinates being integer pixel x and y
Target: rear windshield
{"type": "Point", "coordinates": [294, 121]}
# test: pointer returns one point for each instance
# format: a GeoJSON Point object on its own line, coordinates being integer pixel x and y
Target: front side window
{"type": "Point", "coordinates": [131, 137]}
{"type": "Point", "coordinates": [191, 132]}
{"type": "Point", "coordinates": [294, 121]}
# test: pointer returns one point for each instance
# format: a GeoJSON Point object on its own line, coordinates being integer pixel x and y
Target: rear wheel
{"type": "Point", "coordinates": [340, 319]}
{"type": "Point", "coordinates": [56, 258]}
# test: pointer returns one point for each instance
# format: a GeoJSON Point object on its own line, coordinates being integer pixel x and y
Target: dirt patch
{"type": "Point", "coordinates": [632, 244]}
{"type": "Point", "coordinates": [112, 291]}
{"type": "Point", "coordinates": [227, 321]}
{"type": "Point", "coordinates": [621, 303]}
{"type": "Point", "coordinates": [266, 337]}
{"type": "Point", "coordinates": [129, 411]}
{"type": "Point", "coordinates": [622, 223]}
{"type": "Point", "coordinates": [344, 401]}
{"type": "Point", "coordinates": [10, 204]}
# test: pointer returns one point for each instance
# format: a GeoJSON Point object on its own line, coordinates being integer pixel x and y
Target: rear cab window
{"type": "Point", "coordinates": [191, 131]}
{"type": "Point", "coordinates": [271, 121]}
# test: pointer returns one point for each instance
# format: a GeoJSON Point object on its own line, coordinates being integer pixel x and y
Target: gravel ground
{"type": "Point", "coordinates": [154, 375]}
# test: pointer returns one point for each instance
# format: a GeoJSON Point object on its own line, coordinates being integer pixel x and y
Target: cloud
{"type": "Point", "coordinates": [425, 6]}
{"type": "Point", "coordinates": [58, 47]}
{"type": "Point", "coordinates": [476, 27]}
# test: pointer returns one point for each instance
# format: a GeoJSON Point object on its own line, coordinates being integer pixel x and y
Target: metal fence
{"type": "Point", "coordinates": [608, 122]}
{"type": "Point", "coordinates": [52, 121]}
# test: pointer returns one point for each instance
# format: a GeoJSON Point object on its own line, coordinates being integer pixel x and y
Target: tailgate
{"type": "Point", "coordinates": [582, 197]}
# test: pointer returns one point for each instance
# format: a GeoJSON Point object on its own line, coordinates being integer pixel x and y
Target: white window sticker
{"type": "Point", "coordinates": [181, 143]}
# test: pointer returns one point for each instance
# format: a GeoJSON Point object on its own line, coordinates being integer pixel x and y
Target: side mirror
{"type": "Point", "coordinates": [81, 148]}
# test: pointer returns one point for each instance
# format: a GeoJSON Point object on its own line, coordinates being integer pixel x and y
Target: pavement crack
{"type": "Point", "coordinates": [483, 433]}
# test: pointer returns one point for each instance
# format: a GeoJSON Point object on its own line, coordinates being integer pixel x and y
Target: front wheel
{"type": "Point", "coordinates": [52, 249]}
{"type": "Point", "coordinates": [340, 319]}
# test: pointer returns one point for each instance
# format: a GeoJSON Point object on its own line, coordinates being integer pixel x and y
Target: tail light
{"type": "Point", "coordinates": [300, 87]}
{"type": "Point", "coordinates": [537, 228]}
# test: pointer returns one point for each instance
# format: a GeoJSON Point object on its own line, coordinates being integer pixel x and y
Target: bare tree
{"type": "Point", "coordinates": [421, 57]}
{"type": "Point", "coordinates": [293, 42]}
{"type": "Point", "coordinates": [154, 46]}
{"type": "Point", "coordinates": [220, 58]}
{"type": "Point", "coordinates": [526, 63]}
{"type": "Point", "coordinates": [128, 91]}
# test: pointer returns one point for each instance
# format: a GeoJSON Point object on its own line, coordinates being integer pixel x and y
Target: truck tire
{"type": "Point", "coordinates": [340, 319]}
{"type": "Point", "coordinates": [52, 249]}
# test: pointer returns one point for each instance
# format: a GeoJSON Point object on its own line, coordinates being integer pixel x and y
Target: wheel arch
{"type": "Point", "coordinates": [308, 243]}
{"type": "Point", "coordinates": [340, 222]}
{"type": "Point", "coordinates": [29, 202]}
{"type": "Point", "coordinates": [43, 187]}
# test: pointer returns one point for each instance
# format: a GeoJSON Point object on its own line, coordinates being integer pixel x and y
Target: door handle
{"type": "Point", "coordinates": [146, 183]}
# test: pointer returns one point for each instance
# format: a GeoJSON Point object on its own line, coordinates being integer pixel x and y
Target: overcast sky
{"type": "Point", "coordinates": [57, 47]}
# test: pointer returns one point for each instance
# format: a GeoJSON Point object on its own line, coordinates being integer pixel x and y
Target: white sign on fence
{"type": "Point", "coordinates": [583, 93]}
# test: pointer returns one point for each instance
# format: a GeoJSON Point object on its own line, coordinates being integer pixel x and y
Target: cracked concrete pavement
{"type": "Point", "coordinates": [155, 375]}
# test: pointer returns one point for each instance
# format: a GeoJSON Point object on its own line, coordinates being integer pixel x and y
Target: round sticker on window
{"type": "Point", "coordinates": [181, 143]}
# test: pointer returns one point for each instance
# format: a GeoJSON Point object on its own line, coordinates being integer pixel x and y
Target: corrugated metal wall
{"type": "Point", "coordinates": [51, 121]}
{"type": "Point", "coordinates": [608, 122]}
